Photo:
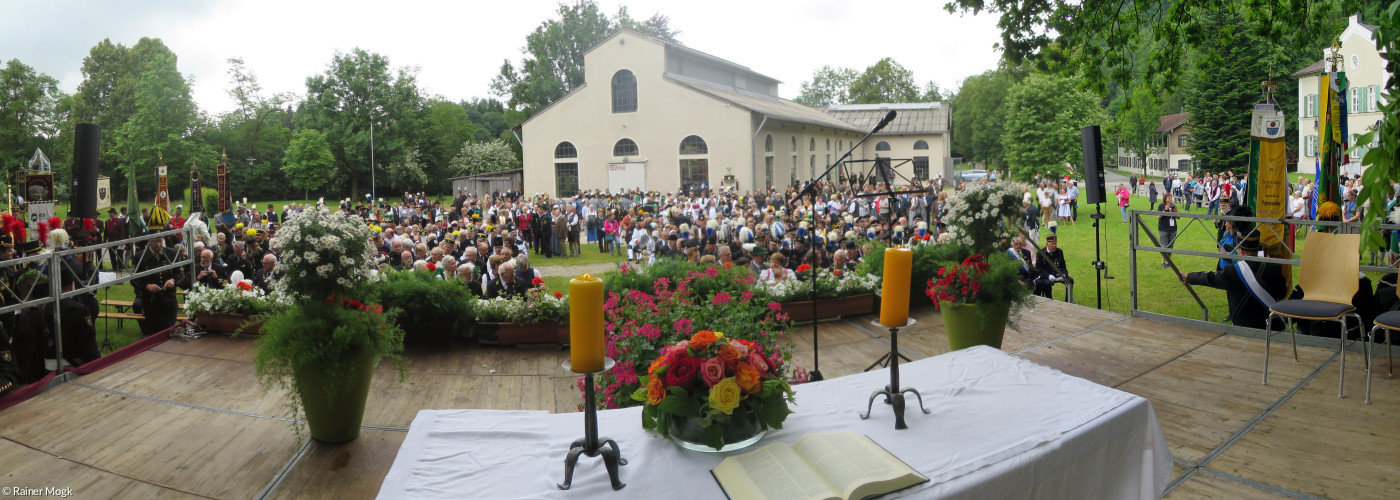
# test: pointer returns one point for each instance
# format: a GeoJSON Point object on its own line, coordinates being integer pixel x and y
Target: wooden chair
{"type": "Point", "coordinates": [1390, 321]}
{"type": "Point", "coordinates": [1328, 277]}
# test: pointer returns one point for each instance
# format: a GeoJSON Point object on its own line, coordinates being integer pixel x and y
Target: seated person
{"type": "Point", "coordinates": [10, 377]}
{"type": "Point", "coordinates": [1050, 268]}
{"type": "Point", "coordinates": [209, 273]}
{"type": "Point", "coordinates": [506, 284]}
{"type": "Point", "coordinates": [1251, 287]}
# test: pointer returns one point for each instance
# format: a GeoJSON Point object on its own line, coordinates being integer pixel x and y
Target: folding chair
{"type": "Point", "coordinates": [1328, 277]}
{"type": "Point", "coordinates": [1390, 321]}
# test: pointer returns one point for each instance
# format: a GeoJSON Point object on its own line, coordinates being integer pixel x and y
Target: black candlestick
{"type": "Point", "coordinates": [894, 395]}
{"type": "Point", "coordinates": [591, 444]}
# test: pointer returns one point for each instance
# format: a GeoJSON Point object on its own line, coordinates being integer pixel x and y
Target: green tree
{"type": "Point", "coordinates": [483, 158]}
{"type": "Point", "coordinates": [29, 115]}
{"type": "Point", "coordinates": [160, 128]}
{"type": "Point", "coordinates": [1222, 97]}
{"type": "Point", "coordinates": [309, 164]}
{"type": "Point", "coordinates": [884, 81]}
{"type": "Point", "coordinates": [828, 86]}
{"type": "Point", "coordinates": [490, 117]}
{"type": "Point", "coordinates": [408, 173]}
{"type": "Point", "coordinates": [977, 117]}
{"type": "Point", "coordinates": [358, 89]}
{"type": "Point", "coordinates": [553, 63]}
{"type": "Point", "coordinates": [1042, 116]}
{"type": "Point", "coordinates": [932, 92]}
{"type": "Point", "coordinates": [447, 126]}
{"type": "Point", "coordinates": [253, 132]}
{"type": "Point", "coordinates": [1136, 126]}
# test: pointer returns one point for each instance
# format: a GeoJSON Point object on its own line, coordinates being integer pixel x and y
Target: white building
{"type": "Point", "coordinates": [1366, 77]}
{"type": "Point", "coordinates": [656, 115]}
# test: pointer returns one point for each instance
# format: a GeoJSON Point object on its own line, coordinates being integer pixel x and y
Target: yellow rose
{"type": "Point", "coordinates": [725, 396]}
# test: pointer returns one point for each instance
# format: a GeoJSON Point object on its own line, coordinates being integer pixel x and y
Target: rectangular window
{"type": "Point", "coordinates": [565, 179]}
{"type": "Point", "coordinates": [1363, 104]}
{"type": "Point", "coordinates": [1181, 164]}
{"type": "Point", "coordinates": [921, 168]}
{"type": "Point", "coordinates": [767, 172]}
{"type": "Point", "coordinates": [1182, 140]}
{"type": "Point", "coordinates": [695, 175]}
{"type": "Point", "coordinates": [1373, 98]}
{"type": "Point", "coordinates": [1352, 100]}
{"type": "Point", "coordinates": [1307, 106]}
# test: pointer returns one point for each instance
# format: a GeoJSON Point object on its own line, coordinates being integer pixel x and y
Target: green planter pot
{"type": "Point", "coordinates": [967, 328]}
{"type": "Point", "coordinates": [334, 415]}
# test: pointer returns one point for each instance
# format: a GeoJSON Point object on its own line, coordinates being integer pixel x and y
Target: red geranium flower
{"type": "Point", "coordinates": [558, 295]}
{"type": "Point", "coordinates": [803, 268]}
{"type": "Point", "coordinates": [432, 266]}
{"type": "Point", "coordinates": [245, 286]}
{"type": "Point", "coordinates": [836, 272]}
{"type": "Point", "coordinates": [536, 281]}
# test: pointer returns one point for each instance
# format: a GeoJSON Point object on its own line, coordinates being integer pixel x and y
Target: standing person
{"type": "Point", "coordinates": [1166, 226]}
{"type": "Point", "coordinates": [116, 231]}
{"type": "Point", "coordinates": [1152, 193]}
{"type": "Point", "coordinates": [1123, 202]}
{"type": "Point", "coordinates": [1046, 197]}
{"type": "Point", "coordinates": [573, 221]}
{"type": "Point", "coordinates": [1132, 182]}
{"type": "Point", "coordinates": [1074, 201]}
{"type": "Point", "coordinates": [1063, 200]}
{"type": "Point", "coordinates": [1031, 220]}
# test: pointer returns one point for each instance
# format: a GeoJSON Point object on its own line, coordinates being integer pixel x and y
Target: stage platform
{"type": "Point", "coordinates": [188, 419]}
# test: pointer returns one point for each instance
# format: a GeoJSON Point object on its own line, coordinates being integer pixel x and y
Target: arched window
{"type": "Point", "coordinates": [882, 146]}
{"type": "Point", "coordinates": [625, 147]}
{"type": "Point", "coordinates": [624, 92]}
{"type": "Point", "coordinates": [768, 144]}
{"type": "Point", "coordinates": [565, 173]}
{"type": "Point", "coordinates": [812, 144]}
{"type": "Point", "coordinates": [694, 145]}
{"type": "Point", "coordinates": [565, 150]}
{"type": "Point", "coordinates": [794, 143]}
{"type": "Point", "coordinates": [920, 144]}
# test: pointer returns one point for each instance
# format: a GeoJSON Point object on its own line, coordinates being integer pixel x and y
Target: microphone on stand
{"type": "Point", "coordinates": [889, 117]}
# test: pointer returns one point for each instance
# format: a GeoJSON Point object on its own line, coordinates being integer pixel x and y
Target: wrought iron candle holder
{"type": "Point", "coordinates": [590, 444]}
{"type": "Point", "coordinates": [894, 395]}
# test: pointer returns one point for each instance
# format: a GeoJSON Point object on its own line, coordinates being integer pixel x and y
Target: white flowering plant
{"type": "Point", "coordinates": [536, 306]}
{"type": "Point", "coordinates": [831, 284]}
{"type": "Point", "coordinates": [983, 216]}
{"type": "Point", "coordinates": [236, 298]}
{"type": "Point", "coordinates": [323, 254]}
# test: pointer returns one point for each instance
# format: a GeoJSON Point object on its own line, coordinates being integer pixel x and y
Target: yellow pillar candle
{"type": "Point", "coordinates": [586, 324]}
{"type": "Point", "coordinates": [894, 295]}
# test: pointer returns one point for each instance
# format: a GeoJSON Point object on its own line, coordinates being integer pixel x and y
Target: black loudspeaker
{"type": "Point", "coordinates": [85, 145]}
{"type": "Point", "coordinates": [1093, 164]}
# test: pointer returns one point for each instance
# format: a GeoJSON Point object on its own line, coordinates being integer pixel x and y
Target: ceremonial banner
{"type": "Point", "coordinates": [196, 193]}
{"type": "Point", "coordinates": [104, 193]}
{"type": "Point", "coordinates": [1332, 144]}
{"type": "Point", "coordinates": [134, 225]}
{"type": "Point", "coordinates": [225, 193]}
{"type": "Point", "coordinates": [162, 190]}
{"type": "Point", "coordinates": [1267, 191]}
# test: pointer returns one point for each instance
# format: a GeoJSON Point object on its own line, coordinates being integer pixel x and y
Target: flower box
{"type": "Point", "coordinates": [523, 333]}
{"type": "Point", "coordinates": [831, 308]}
{"type": "Point", "coordinates": [230, 323]}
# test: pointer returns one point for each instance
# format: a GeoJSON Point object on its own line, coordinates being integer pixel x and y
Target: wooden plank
{"type": "Point", "coordinates": [28, 468]}
{"type": "Point", "coordinates": [348, 470]}
{"type": "Point", "coordinates": [212, 382]}
{"type": "Point", "coordinates": [1211, 487]}
{"type": "Point", "coordinates": [1327, 446]}
{"type": "Point", "coordinates": [1117, 353]}
{"type": "Point", "coordinates": [202, 452]}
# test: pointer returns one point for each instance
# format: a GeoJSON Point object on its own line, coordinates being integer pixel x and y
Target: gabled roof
{"type": "Point", "coordinates": [779, 108]}
{"type": "Point", "coordinates": [681, 48]}
{"type": "Point", "coordinates": [1316, 67]}
{"type": "Point", "coordinates": [910, 117]}
{"type": "Point", "coordinates": [1172, 122]}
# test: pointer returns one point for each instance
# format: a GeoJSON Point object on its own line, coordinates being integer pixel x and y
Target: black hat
{"type": "Point", "coordinates": [673, 237]}
{"type": "Point", "coordinates": [1050, 238]}
{"type": "Point", "coordinates": [31, 247]}
{"type": "Point", "coordinates": [7, 241]}
{"type": "Point", "coordinates": [1250, 243]}
{"type": "Point", "coordinates": [111, 211]}
{"type": "Point", "coordinates": [691, 243]}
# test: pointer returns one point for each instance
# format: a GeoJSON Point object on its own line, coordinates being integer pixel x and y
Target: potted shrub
{"type": "Point", "coordinates": [322, 350]}
{"type": "Point", "coordinates": [538, 317]}
{"type": "Point", "coordinates": [977, 298]}
{"type": "Point", "coordinates": [428, 309]}
{"type": "Point", "coordinates": [237, 308]}
{"type": "Point", "coordinates": [838, 293]}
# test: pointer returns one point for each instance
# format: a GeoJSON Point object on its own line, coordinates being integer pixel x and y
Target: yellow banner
{"type": "Point", "coordinates": [1272, 200]}
{"type": "Point", "coordinates": [1324, 108]}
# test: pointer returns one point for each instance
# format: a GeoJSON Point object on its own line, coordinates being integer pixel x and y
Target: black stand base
{"type": "Point", "coordinates": [590, 444]}
{"type": "Point", "coordinates": [894, 395]}
{"type": "Point", "coordinates": [884, 361]}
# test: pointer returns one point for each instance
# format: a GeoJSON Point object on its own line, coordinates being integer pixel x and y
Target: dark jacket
{"type": "Point", "coordinates": [1245, 310]}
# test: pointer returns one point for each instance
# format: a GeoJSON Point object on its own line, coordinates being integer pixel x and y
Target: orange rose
{"type": "Point", "coordinates": [730, 353]}
{"type": "Point", "coordinates": [702, 339]}
{"type": "Point", "coordinates": [748, 378]}
{"type": "Point", "coordinates": [656, 391]}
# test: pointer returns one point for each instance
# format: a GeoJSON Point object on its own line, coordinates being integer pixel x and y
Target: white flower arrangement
{"type": "Point", "coordinates": [326, 254]}
{"type": "Point", "coordinates": [536, 306]}
{"type": "Point", "coordinates": [829, 286]}
{"type": "Point", "coordinates": [236, 298]}
{"type": "Point", "coordinates": [983, 215]}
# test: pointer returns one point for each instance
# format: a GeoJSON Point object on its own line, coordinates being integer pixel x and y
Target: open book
{"type": "Point", "coordinates": [833, 465]}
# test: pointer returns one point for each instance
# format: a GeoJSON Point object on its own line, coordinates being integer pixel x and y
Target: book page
{"type": "Point", "coordinates": [771, 472]}
{"type": "Point", "coordinates": [849, 461]}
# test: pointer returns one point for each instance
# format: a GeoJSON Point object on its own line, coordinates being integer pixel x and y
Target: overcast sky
{"type": "Point", "coordinates": [459, 45]}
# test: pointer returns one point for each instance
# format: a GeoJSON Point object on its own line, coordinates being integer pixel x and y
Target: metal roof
{"type": "Point", "coordinates": [910, 118]}
{"type": "Point", "coordinates": [766, 105]}
{"type": "Point", "coordinates": [1316, 67]}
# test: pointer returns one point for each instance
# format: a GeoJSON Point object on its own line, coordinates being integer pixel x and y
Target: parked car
{"type": "Point", "coordinates": [972, 175]}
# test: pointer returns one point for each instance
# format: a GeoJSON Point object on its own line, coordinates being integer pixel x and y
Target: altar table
{"type": "Point", "coordinates": [1001, 427]}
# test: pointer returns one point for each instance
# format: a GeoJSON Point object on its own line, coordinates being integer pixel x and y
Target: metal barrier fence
{"type": "Point", "coordinates": [1139, 227]}
{"type": "Point", "coordinates": [24, 298]}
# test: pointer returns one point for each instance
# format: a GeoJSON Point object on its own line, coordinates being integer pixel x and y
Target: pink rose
{"type": "Point", "coordinates": [756, 360]}
{"type": "Point", "coordinates": [712, 371]}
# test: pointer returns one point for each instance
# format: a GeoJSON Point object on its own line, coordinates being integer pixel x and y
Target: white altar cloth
{"type": "Point", "coordinates": [1001, 427]}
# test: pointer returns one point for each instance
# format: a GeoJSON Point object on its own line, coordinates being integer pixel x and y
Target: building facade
{"type": "Point", "coordinates": [1171, 149]}
{"type": "Point", "coordinates": [663, 117]}
{"type": "Point", "coordinates": [1367, 78]}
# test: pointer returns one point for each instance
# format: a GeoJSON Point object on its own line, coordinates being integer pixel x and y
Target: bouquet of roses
{"type": "Point", "coordinates": [716, 382]}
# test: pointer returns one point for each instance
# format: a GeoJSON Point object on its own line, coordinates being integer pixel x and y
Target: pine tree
{"type": "Point", "coordinates": [1221, 98]}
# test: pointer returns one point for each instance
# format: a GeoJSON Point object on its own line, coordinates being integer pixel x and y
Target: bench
{"type": "Point", "coordinates": [122, 316]}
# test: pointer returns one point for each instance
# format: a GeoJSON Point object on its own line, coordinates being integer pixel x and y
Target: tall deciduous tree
{"type": "Point", "coordinates": [884, 81]}
{"type": "Point", "coordinates": [29, 114]}
{"type": "Point", "coordinates": [553, 63]}
{"type": "Point", "coordinates": [357, 89]}
{"type": "Point", "coordinates": [1136, 126]}
{"type": "Point", "coordinates": [828, 86]}
{"type": "Point", "coordinates": [1042, 116]}
{"type": "Point", "coordinates": [484, 157]}
{"type": "Point", "coordinates": [309, 164]}
{"type": "Point", "coordinates": [254, 132]}
{"type": "Point", "coordinates": [978, 115]}
{"type": "Point", "coordinates": [1221, 99]}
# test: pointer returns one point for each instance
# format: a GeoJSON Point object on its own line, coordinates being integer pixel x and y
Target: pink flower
{"type": "Point", "coordinates": [682, 326]}
{"type": "Point", "coordinates": [712, 371]}
{"type": "Point", "coordinates": [756, 360]}
{"type": "Point", "coordinates": [712, 271]}
{"type": "Point", "coordinates": [775, 307]}
{"type": "Point", "coordinates": [722, 298]}
{"type": "Point", "coordinates": [649, 331]}
{"type": "Point", "coordinates": [746, 296]}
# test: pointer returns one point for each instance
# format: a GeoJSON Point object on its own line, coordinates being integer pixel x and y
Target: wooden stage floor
{"type": "Point", "coordinates": [188, 419]}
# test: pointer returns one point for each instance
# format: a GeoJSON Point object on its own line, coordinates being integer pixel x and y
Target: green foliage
{"type": "Point", "coordinates": [358, 89]}
{"type": "Point", "coordinates": [28, 114]}
{"type": "Point", "coordinates": [414, 297]}
{"type": "Point", "coordinates": [483, 157]}
{"type": "Point", "coordinates": [884, 81]}
{"type": "Point", "coordinates": [553, 63]}
{"type": "Point", "coordinates": [1383, 161]}
{"type": "Point", "coordinates": [1136, 126]}
{"type": "Point", "coordinates": [1222, 98]}
{"type": "Point", "coordinates": [408, 173]}
{"type": "Point", "coordinates": [308, 162]}
{"type": "Point", "coordinates": [928, 259]}
{"type": "Point", "coordinates": [978, 117]}
{"type": "Point", "coordinates": [1042, 116]}
{"type": "Point", "coordinates": [828, 86]}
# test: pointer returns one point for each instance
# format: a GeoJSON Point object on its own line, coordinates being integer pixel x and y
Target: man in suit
{"type": "Point", "coordinates": [264, 276]}
{"type": "Point", "coordinates": [1251, 287]}
{"type": "Point", "coordinates": [271, 216]}
{"type": "Point", "coordinates": [211, 274]}
{"type": "Point", "coordinates": [506, 285]}
{"type": "Point", "coordinates": [116, 231]}
{"type": "Point", "coordinates": [239, 261]}
{"type": "Point", "coordinates": [1051, 268]}
{"type": "Point", "coordinates": [157, 291]}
